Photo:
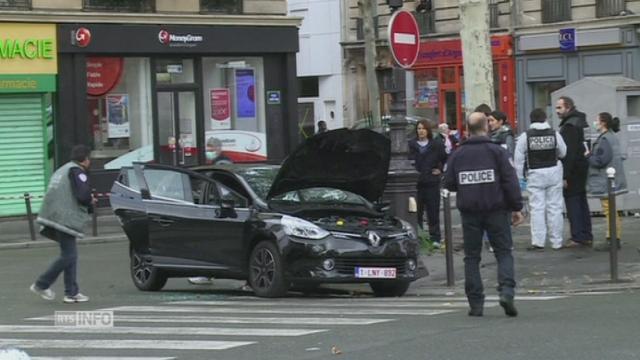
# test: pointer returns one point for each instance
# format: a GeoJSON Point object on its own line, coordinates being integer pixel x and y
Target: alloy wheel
{"type": "Point", "coordinates": [263, 268]}
{"type": "Point", "coordinates": [141, 268]}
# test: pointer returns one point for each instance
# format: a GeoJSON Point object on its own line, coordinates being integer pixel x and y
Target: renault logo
{"type": "Point", "coordinates": [374, 238]}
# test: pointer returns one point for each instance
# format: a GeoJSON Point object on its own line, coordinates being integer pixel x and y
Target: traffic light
{"type": "Point", "coordinates": [394, 4]}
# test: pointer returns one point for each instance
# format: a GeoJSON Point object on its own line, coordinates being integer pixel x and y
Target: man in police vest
{"type": "Point", "coordinates": [537, 159]}
{"type": "Point", "coordinates": [63, 215]}
{"type": "Point", "coordinates": [489, 199]}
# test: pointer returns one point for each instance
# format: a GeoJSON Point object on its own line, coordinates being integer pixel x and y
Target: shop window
{"type": "Point", "coordinates": [426, 22]}
{"type": "Point", "coordinates": [119, 111]}
{"type": "Point", "coordinates": [234, 102]}
{"type": "Point", "coordinates": [308, 86]}
{"type": "Point", "coordinates": [606, 8]}
{"type": "Point", "coordinates": [15, 4]}
{"type": "Point", "coordinates": [221, 6]}
{"type": "Point", "coordinates": [542, 95]}
{"type": "Point", "coordinates": [426, 88]}
{"type": "Point", "coordinates": [633, 106]}
{"type": "Point", "coordinates": [119, 5]}
{"type": "Point", "coordinates": [556, 11]}
{"type": "Point", "coordinates": [494, 14]}
{"type": "Point", "coordinates": [174, 71]}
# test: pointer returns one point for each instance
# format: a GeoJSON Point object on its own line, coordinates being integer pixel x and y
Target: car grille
{"type": "Point", "coordinates": [346, 265]}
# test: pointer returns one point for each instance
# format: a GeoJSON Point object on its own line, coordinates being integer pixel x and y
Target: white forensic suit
{"type": "Point", "coordinates": [536, 159]}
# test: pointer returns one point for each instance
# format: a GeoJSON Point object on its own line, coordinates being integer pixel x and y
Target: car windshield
{"type": "Point", "coordinates": [260, 180]}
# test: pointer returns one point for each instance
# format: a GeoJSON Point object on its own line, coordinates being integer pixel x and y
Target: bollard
{"type": "Point", "coordinates": [448, 238]}
{"type": "Point", "coordinates": [613, 231]}
{"type": "Point", "coordinates": [94, 215]}
{"type": "Point", "coordinates": [32, 229]}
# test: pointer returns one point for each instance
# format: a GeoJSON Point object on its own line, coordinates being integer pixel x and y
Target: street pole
{"type": "Point", "coordinates": [613, 232]}
{"type": "Point", "coordinates": [448, 236]}
{"type": "Point", "coordinates": [476, 54]}
{"type": "Point", "coordinates": [367, 12]}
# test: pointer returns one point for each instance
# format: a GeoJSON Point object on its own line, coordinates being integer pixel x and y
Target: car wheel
{"type": "Point", "coordinates": [266, 275]}
{"type": "Point", "coordinates": [144, 275]}
{"type": "Point", "coordinates": [389, 289]}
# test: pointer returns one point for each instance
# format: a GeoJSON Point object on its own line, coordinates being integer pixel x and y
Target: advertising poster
{"type": "Point", "coordinates": [427, 96]}
{"type": "Point", "coordinates": [220, 108]}
{"type": "Point", "coordinates": [241, 146]}
{"type": "Point", "coordinates": [118, 115]}
{"type": "Point", "coordinates": [245, 93]}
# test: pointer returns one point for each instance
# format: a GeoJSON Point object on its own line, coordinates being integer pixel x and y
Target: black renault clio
{"type": "Point", "coordinates": [311, 221]}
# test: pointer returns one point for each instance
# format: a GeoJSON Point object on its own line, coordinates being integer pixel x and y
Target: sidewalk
{"type": "Point", "coordinates": [548, 271]}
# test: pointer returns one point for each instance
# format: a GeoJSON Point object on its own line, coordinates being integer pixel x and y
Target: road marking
{"type": "Point", "coordinates": [238, 320]}
{"type": "Point", "coordinates": [123, 344]}
{"type": "Point", "coordinates": [98, 358]}
{"type": "Point", "coordinates": [317, 311]}
{"type": "Point", "coordinates": [157, 331]}
{"type": "Point", "coordinates": [443, 304]}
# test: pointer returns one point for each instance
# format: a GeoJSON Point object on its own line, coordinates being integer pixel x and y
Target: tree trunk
{"type": "Point", "coordinates": [476, 54]}
{"type": "Point", "coordinates": [367, 9]}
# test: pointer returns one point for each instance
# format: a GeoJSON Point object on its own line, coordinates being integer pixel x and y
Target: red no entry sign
{"type": "Point", "coordinates": [404, 38]}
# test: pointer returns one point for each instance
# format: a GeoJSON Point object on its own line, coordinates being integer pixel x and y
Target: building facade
{"type": "Point", "coordinates": [319, 63]}
{"type": "Point", "coordinates": [154, 81]}
{"type": "Point", "coordinates": [529, 59]}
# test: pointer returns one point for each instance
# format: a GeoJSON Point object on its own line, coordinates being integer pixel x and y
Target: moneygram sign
{"type": "Point", "coordinates": [179, 40]}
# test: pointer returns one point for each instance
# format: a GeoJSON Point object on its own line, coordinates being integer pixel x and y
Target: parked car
{"type": "Point", "coordinates": [313, 220]}
{"type": "Point", "coordinates": [410, 130]}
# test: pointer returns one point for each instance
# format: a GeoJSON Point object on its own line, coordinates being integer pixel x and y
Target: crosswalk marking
{"type": "Point", "coordinates": [123, 344]}
{"type": "Point", "coordinates": [238, 320]}
{"type": "Point", "coordinates": [387, 305]}
{"type": "Point", "coordinates": [157, 330]}
{"type": "Point", "coordinates": [98, 358]}
{"type": "Point", "coordinates": [316, 311]}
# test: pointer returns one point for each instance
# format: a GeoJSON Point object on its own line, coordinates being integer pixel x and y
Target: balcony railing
{"type": "Point", "coordinates": [221, 6]}
{"type": "Point", "coordinates": [556, 11]}
{"type": "Point", "coordinates": [606, 8]}
{"type": "Point", "coordinates": [15, 4]}
{"type": "Point", "coordinates": [426, 22]}
{"type": "Point", "coordinates": [140, 6]}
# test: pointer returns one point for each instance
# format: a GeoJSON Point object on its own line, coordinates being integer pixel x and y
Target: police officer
{"type": "Point", "coordinates": [537, 156]}
{"type": "Point", "coordinates": [488, 195]}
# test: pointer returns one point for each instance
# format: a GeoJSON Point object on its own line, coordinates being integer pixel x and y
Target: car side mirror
{"type": "Point", "coordinates": [227, 209]}
{"type": "Point", "coordinates": [383, 206]}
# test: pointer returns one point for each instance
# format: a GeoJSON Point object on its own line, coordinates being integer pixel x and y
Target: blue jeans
{"type": "Point", "coordinates": [498, 227]}
{"type": "Point", "coordinates": [67, 262]}
{"type": "Point", "coordinates": [579, 217]}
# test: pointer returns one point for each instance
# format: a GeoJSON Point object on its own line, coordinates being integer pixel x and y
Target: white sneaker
{"type": "Point", "coordinates": [46, 294]}
{"type": "Point", "coordinates": [200, 280]}
{"type": "Point", "coordinates": [77, 298]}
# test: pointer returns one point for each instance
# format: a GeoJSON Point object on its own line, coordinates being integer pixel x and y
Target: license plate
{"type": "Point", "coordinates": [375, 273]}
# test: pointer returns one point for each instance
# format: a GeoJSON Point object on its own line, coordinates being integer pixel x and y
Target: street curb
{"type": "Point", "coordinates": [51, 243]}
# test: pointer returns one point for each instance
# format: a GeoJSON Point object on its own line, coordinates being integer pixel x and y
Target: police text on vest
{"type": "Point", "coordinates": [476, 177]}
{"type": "Point", "coordinates": [537, 143]}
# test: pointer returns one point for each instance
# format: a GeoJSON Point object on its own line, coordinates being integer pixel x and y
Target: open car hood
{"type": "Point", "coordinates": [352, 160]}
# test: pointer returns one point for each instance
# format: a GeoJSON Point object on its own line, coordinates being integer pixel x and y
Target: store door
{"type": "Point", "coordinates": [176, 111]}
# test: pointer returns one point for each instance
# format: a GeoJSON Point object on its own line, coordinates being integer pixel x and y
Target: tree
{"type": "Point", "coordinates": [367, 12]}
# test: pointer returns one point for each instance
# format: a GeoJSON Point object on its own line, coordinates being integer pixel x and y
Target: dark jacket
{"type": "Point", "coordinates": [575, 165]}
{"type": "Point", "coordinates": [426, 159]}
{"type": "Point", "coordinates": [504, 137]}
{"type": "Point", "coordinates": [606, 153]}
{"type": "Point", "coordinates": [483, 177]}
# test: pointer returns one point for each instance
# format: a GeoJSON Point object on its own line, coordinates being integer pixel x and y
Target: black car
{"type": "Point", "coordinates": [311, 221]}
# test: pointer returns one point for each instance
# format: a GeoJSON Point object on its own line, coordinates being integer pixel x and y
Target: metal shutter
{"type": "Point", "coordinates": [22, 153]}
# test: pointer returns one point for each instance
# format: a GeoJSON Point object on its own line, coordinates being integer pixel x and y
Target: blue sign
{"type": "Point", "coordinates": [245, 93]}
{"type": "Point", "coordinates": [567, 39]}
{"type": "Point", "coordinates": [273, 97]}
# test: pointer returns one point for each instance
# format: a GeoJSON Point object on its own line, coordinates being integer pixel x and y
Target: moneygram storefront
{"type": "Point", "coordinates": [167, 91]}
{"type": "Point", "coordinates": [28, 67]}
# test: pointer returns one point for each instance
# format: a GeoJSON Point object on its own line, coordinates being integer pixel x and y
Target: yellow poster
{"type": "Point", "coordinates": [28, 49]}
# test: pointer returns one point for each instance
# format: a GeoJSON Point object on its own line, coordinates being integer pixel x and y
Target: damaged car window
{"type": "Point", "coordinates": [260, 179]}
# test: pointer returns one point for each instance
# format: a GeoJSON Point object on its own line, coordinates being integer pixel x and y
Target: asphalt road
{"type": "Point", "coordinates": [223, 322]}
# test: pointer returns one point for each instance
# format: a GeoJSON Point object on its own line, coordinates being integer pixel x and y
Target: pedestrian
{"type": "Point", "coordinates": [322, 127]}
{"type": "Point", "coordinates": [537, 160]}
{"type": "Point", "coordinates": [483, 108]}
{"type": "Point", "coordinates": [65, 211]}
{"type": "Point", "coordinates": [500, 131]}
{"type": "Point", "coordinates": [575, 167]}
{"type": "Point", "coordinates": [449, 140]}
{"type": "Point", "coordinates": [489, 199]}
{"type": "Point", "coordinates": [214, 154]}
{"type": "Point", "coordinates": [429, 157]}
{"type": "Point", "coordinates": [606, 153]}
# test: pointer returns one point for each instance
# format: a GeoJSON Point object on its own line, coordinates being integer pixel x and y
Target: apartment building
{"type": "Point", "coordinates": [141, 80]}
{"type": "Point", "coordinates": [529, 60]}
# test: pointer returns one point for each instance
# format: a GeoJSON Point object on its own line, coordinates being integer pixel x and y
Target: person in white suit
{"type": "Point", "coordinates": [537, 159]}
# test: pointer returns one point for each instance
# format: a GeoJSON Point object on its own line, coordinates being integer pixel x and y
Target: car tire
{"type": "Point", "coordinates": [389, 289]}
{"type": "Point", "coordinates": [145, 276]}
{"type": "Point", "coordinates": [266, 273]}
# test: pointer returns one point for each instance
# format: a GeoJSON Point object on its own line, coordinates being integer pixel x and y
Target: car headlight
{"type": "Point", "coordinates": [301, 228]}
{"type": "Point", "coordinates": [406, 226]}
